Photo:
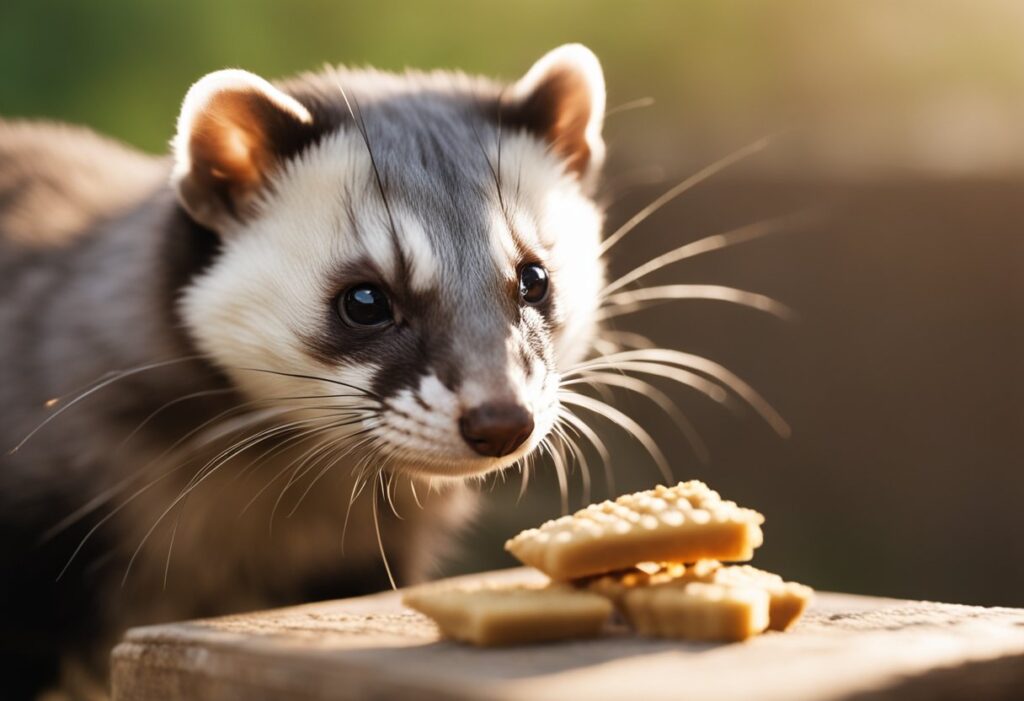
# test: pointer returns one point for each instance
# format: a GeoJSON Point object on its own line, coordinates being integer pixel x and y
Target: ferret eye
{"type": "Point", "coordinates": [364, 305]}
{"type": "Point", "coordinates": [533, 283]}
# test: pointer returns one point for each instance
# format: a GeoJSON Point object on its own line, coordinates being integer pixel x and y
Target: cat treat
{"type": "Point", "coordinates": [655, 557]}
{"type": "Point", "coordinates": [511, 615]}
{"type": "Point", "coordinates": [697, 611]}
{"type": "Point", "coordinates": [786, 600]}
{"type": "Point", "coordinates": [684, 523]}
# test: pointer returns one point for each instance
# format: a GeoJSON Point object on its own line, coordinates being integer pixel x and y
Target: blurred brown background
{"type": "Point", "coordinates": [903, 379]}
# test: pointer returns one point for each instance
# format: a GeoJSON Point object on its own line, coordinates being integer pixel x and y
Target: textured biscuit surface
{"type": "Point", "coordinates": [684, 523]}
{"type": "Point", "coordinates": [787, 600]}
{"type": "Point", "coordinates": [511, 615]}
{"type": "Point", "coordinates": [697, 611]}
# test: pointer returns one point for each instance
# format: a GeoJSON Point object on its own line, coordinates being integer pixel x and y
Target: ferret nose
{"type": "Point", "coordinates": [496, 429]}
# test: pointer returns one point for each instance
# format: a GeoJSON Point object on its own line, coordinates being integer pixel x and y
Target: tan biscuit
{"type": "Point", "coordinates": [697, 611]}
{"type": "Point", "coordinates": [787, 600]}
{"type": "Point", "coordinates": [615, 584]}
{"type": "Point", "coordinates": [511, 615]}
{"type": "Point", "coordinates": [685, 523]}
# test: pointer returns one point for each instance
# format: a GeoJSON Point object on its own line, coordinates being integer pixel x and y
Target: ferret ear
{"type": "Point", "coordinates": [562, 100]}
{"type": "Point", "coordinates": [235, 128]}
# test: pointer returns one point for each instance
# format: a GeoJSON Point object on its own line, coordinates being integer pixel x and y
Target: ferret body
{"type": "Point", "coordinates": [226, 373]}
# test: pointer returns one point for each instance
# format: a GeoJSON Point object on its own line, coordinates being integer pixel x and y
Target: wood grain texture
{"type": "Point", "coordinates": [846, 647]}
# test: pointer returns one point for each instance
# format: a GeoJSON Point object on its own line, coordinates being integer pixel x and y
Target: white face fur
{"type": "Point", "coordinates": [272, 291]}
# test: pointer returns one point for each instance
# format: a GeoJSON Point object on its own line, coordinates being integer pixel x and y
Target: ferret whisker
{"type": "Point", "coordinates": [380, 541]}
{"type": "Point", "coordinates": [415, 496]}
{"type": "Point", "coordinates": [120, 375]}
{"type": "Point", "coordinates": [701, 384]}
{"type": "Point", "coordinates": [605, 346]}
{"type": "Point", "coordinates": [709, 367]}
{"type": "Point", "coordinates": [578, 455]}
{"type": "Point", "coordinates": [527, 465]}
{"type": "Point", "coordinates": [308, 434]}
{"type": "Point", "coordinates": [111, 492]}
{"type": "Point", "coordinates": [661, 400]}
{"type": "Point", "coordinates": [629, 105]}
{"type": "Point", "coordinates": [244, 443]}
{"type": "Point", "coordinates": [113, 512]}
{"type": "Point", "coordinates": [194, 483]}
{"type": "Point", "coordinates": [616, 188]}
{"type": "Point", "coordinates": [714, 242]}
{"type": "Point", "coordinates": [316, 378]}
{"type": "Point", "coordinates": [304, 462]}
{"type": "Point", "coordinates": [126, 372]}
{"type": "Point", "coordinates": [222, 426]}
{"type": "Point", "coordinates": [317, 455]}
{"type": "Point", "coordinates": [684, 185]}
{"type": "Point", "coordinates": [168, 405]}
{"type": "Point", "coordinates": [623, 421]}
{"type": "Point", "coordinates": [337, 449]}
{"type": "Point", "coordinates": [627, 339]}
{"type": "Point", "coordinates": [634, 300]}
{"type": "Point", "coordinates": [587, 432]}
{"type": "Point", "coordinates": [345, 450]}
{"type": "Point", "coordinates": [320, 424]}
{"type": "Point", "coordinates": [357, 489]}
{"type": "Point", "coordinates": [315, 432]}
{"type": "Point", "coordinates": [387, 491]}
{"type": "Point", "coordinates": [296, 439]}
{"type": "Point", "coordinates": [560, 472]}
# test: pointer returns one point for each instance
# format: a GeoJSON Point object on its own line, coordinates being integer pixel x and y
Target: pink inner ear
{"type": "Point", "coordinates": [230, 139]}
{"type": "Point", "coordinates": [230, 152]}
{"type": "Point", "coordinates": [559, 109]}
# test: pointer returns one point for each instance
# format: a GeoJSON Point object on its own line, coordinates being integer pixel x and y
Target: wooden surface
{"type": "Point", "coordinates": [846, 647]}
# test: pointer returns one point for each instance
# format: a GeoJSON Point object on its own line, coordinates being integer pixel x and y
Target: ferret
{"type": "Point", "coordinates": [236, 376]}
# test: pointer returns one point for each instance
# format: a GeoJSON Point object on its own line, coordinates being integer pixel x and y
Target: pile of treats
{"type": "Point", "coordinates": [654, 558]}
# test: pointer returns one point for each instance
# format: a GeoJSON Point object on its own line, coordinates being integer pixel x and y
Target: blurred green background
{"type": "Point", "coordinates": [903, 379]}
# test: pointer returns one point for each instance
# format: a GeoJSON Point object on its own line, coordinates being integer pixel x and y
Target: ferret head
{"type": "Point", "coordinates": [407, 261]}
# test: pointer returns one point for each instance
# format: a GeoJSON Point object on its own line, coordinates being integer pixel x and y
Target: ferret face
{"type": "Point", "coordinates": [408, 281]}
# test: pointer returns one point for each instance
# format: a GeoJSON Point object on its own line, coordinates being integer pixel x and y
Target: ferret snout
{"type": "Point", "coordinates": [496, 429]}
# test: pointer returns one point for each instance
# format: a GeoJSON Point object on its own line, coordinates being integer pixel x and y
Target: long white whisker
{"type": "Point", "coordinates": [527, 466]}
{"type": "Point", "coordinates": [602, 450]}
{"type": "Point", "coordinates": [357, 489]}
{"type": "Point", "coordinates": [616, 416]}
{"type": "Point", "coordinates": [715, 242]}
{"type": "Point", "coordinates": [715, 370]}
{"type": "Point", "coordinates": [303, 464]}
{"type": "Point", "coordinates": [181, 496]}
{"type": "Point", "coordinates": [335, 459]}
{"type": "Point", "coordinates": [387, 493]}
{"type": "Point", "coordinates": [380, 541]}
{"type": "Point", "coordinates": [577, 453]}
{"type": "Point", "coordinates": [113, 512]}
{"type": "Point", "coordinates": [630, 105]}
{"type": "Point", "coordinates": [560, 472]}
{"type": "Point", "coordinates": [89, 392]}
{"type": "Point", "coordinates": [628, 339]}
{"type": "Point", "coordinates": [415, 496]}
{"type": "Point", "coordinates": [634, 300]}
{"type": "Point", "coordinates": [689, 182]}
{"type": "Point", "coordinates": [684, 377]}
{"type": "Point", "coordinates": [662, 401]}
{"type": "Point", "coordinates": [605, 346]}
{"type": "Point", "coordinates": [167, 405]}
{"type": "Point", "coordinates": [316, 431]}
